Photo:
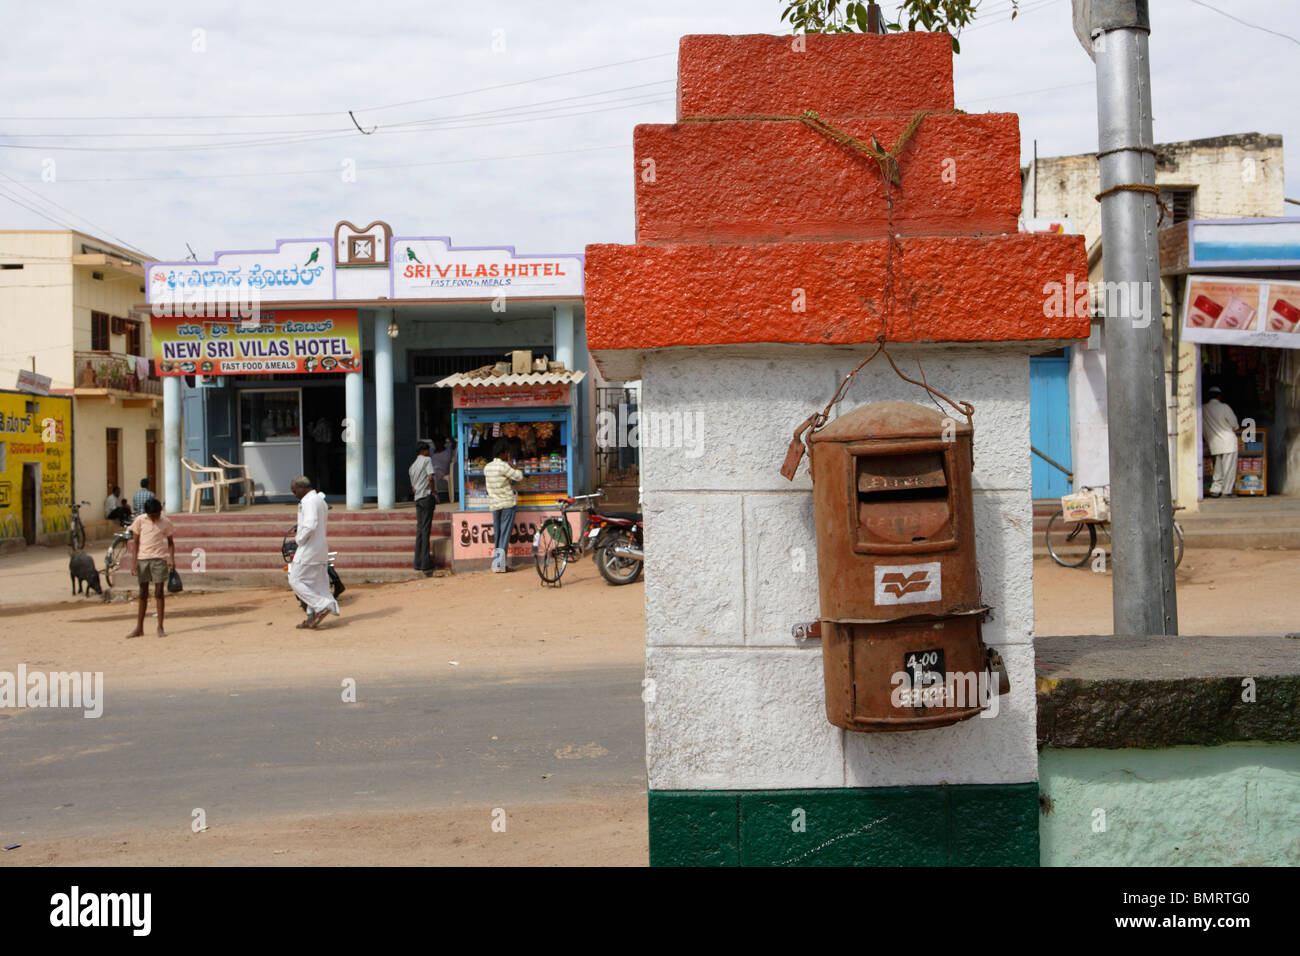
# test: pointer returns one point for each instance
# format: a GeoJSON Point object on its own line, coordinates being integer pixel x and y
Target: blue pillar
{"type": "Point", "coordinates": [354, 437]}
{"type": "Point", "coordinates": [384, 410]}
{"type": "Point", "coordinates": [172, 488]}
{"type": "Point", "coordinates": [564, 335]}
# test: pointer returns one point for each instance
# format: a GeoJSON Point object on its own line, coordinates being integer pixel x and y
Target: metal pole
{"type": "Point", "coordinates": [1141, 503]}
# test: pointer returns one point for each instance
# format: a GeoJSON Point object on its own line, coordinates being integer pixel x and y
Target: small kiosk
{"type": "Point", "coordinates": [534, 413]}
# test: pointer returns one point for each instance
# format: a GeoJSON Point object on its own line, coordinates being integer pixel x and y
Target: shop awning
{"type": "Point", "coordinates": [476, 380]}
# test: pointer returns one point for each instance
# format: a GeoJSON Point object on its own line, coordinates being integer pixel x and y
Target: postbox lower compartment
{"type": "Point", "coordinates": [910, 675]}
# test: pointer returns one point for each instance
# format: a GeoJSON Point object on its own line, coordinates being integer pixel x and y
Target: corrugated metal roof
{"type": "Point", "coordinates": [567, 377]}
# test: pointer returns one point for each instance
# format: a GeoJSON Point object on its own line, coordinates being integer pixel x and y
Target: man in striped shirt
{"type": "Point", "coordinates": [139, 499]}
{"type": "Point", "coordinates": [502, 499]}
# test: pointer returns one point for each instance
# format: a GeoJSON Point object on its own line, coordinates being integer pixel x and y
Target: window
{"type": "Point", "coordinates": [133, 337]}
{"type": "Point", "coordinates": [99, 332]}
{"type": "Point", "coordinates": [1180, 203]}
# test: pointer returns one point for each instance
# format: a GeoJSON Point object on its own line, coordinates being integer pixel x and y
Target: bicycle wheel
{"type": "Point", "coordinates": [551, 550]}
{"type": "Point", "coordinates": [77, 534]}
{"type": "Point", "coordinates": [1178, 545]}
{"type": "Point", "coordinates": [113, 561]}
{"type": "Point", "coordinates": [1070, 543]}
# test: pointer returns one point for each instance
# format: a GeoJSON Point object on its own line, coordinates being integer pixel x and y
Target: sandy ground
{"type": "Point", "coordinates": [476, 623]}
{"type": "Point", "coordinates": [1220, 591]}
{"type": "Point", "coordinates": [610, 831]}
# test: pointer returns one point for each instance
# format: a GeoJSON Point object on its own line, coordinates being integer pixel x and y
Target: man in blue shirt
{"type": "Point", "coordinates": [140, 497]}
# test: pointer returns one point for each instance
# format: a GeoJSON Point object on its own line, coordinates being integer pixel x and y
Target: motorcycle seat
{"type": "Point", "coordinates": [626, 515]}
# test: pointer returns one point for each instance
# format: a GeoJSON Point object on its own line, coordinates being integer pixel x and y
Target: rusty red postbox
{"type": "Point", "coordinates": [901, 612]}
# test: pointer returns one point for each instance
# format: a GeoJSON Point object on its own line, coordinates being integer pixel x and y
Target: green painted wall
{"type": "Point", "coordinates": [1232, 805]}
{"type": "Point", "coordinates": [993, 825]}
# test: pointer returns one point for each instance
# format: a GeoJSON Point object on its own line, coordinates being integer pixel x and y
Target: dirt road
{"type": "Point", "coordinates": [467, 628]}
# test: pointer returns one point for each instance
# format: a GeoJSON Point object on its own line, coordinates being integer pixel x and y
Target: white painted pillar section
{"type": "Point", "coordinates": [172, 439]}
{"type": "Point", "coordinates": [384, 411]}
{"type": "Point", "coordinates": [564, 335]}
{"type": "Point", "coordinates": [354, 438]}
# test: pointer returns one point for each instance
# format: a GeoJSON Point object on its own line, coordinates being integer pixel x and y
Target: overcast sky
{"type": "Point", "coordinates": [544, 164]}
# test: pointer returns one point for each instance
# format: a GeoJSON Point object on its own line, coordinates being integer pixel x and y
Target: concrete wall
{"type": "Point", "coordinates": [731, 564]}
{"type": "Point", "coordinates": [1235, 176]}
{"type": "Point", "coordinates": [36, 304]}
{"type": "Point", "coordinates": [90, 451]}
{"type": "Point", "coordinates": [1232, 805]}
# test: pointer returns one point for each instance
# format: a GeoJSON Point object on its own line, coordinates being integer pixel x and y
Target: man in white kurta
{"type": "Point", "coordinates": [1220, 426]}
{"type": "Point", "coordinates": [309, 569]}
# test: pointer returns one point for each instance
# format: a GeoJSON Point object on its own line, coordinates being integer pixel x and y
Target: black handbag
{"type": "Point", "coordinates": [174, 582]}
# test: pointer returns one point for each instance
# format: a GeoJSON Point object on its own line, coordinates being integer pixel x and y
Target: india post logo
{"type": "Point", "coordinates": [908, 583]}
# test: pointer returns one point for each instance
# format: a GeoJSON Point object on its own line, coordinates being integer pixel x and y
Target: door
{"type": "Point", "coordinates": [1049, 423]}
{"type": "Point", "coordinates": [151, 457]}
{"type": "Point", "coordinates": [31, 487]}
{"type": "Point", "coordinates": [112, 450]}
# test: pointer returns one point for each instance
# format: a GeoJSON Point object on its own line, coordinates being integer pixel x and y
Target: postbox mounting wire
{"type": "Point", "coordinates": [803, 434]}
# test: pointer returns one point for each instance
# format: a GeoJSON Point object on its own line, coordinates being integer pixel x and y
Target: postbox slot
{"type": "Point", "coordinates": [903, 499]}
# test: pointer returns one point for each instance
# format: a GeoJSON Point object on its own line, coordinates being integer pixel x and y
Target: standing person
{"type": "Point", "coordinates": [321, 436]}
{"type": "Point", "coordinates": [155, 555]}
{"type": "Point", "coordinates": [140, 497]}
{"type": "Point", "coordinates": [421, 472]}
{"type": "Point", "coordinates": [1221, 427]}
{"type": "Point", "coordinates": [309, 570]}
{"type": "Point", "coordinates": [497, 475]}
{"type": "Point", "coordinates": [441, 459]}
{"type": "Point", "coordinates": [115, 509]}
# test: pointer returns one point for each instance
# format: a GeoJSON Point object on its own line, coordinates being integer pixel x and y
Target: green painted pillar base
{"type": "Point", "coordinates": [974, 825]}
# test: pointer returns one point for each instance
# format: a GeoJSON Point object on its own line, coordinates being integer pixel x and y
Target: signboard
{"type": "Point", "coordinates": [283, 341]}
{"type": "Point", "coordinates": [471, 533]}
{"type": "Point", "coordinates": [512, 396]}
{"type": "Point", "coordinates": [33, 382]}
{"type": "Point", "coordinates": [434, 269]}
{"type": "Point", "coordinates": [1234, 311]}
{"type": "Point", "coordinates": [1061, 226]}
{"type": "Point", "coordinates": [296, 270]}
{"type": "Point", "coordinates": [35, 435]}
{"type": "Point", "coordinates": [1248, 243]}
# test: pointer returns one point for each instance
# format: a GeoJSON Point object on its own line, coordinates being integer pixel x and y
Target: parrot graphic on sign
{"type": "Point", "coordinates": [410, 254]}
{"type": "Point", "coordinates": [312, 258]}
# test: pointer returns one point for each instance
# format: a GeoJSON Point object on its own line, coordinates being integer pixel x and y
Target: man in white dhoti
{"type": "Point", "coordinates": [1221, 427]}
{"type": "Point", "coordinates": [309, 569]}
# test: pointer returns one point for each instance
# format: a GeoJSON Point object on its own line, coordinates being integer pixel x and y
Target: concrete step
{"type": "Point", "coordinates": [270, 544]}
{"type": "Point", "coordinates": [267, 530]}
{"type": "Point", "coordinates": [235, 579]}
{"type": "Point", "coordinates": [223, 561]}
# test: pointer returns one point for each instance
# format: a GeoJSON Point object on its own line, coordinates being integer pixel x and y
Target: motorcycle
{"type": "Point", "coordinates": [289, 547]}
{"type": "Point", "coordinates": [619, 548]}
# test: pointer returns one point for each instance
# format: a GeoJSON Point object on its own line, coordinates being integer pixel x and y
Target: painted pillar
{"type": "Point", "coordinates": [354, 438]}
{"type": "Point", "coordinates": [564, 335]}
{"type": "Point", "coordinates": [384, 470]}
{"type": "Point", "coordinates": [753, 291]}
{"type": "Point", "coordinates": [173, 490]}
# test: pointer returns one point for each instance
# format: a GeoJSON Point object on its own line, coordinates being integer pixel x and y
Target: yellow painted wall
{"type": "Point", "coordinates": [94, 418]}
{"type": "Point", "coordinates": [46, 438]}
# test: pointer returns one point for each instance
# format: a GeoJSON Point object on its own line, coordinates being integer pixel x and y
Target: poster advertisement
{"type": "Point", "coordinates": [282, 341]}
{"type": "Point", "coordinates": [36, 438]}
{"type": "Point", "coordinates": [1235, 311]}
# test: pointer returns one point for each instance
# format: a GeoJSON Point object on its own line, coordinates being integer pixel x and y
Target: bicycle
{"type": "Point", "coordinates": [554, 545]}
{"type": "Point", "coordinates": [1071, 543]}
{"type": "Point", "coordinates": [77, 530]}
{"type": "Point", "coordinates": [113, 556]}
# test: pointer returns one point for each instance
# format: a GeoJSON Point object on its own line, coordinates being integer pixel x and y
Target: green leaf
{"type": "Point", "coordinates": [862, 17]}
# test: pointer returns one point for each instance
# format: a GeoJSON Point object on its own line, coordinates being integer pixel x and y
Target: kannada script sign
{"type": "Point", "coordinates": [283, 341]}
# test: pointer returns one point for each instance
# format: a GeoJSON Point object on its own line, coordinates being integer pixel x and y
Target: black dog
{"type": "Point", "coordinates": [81, 568]}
